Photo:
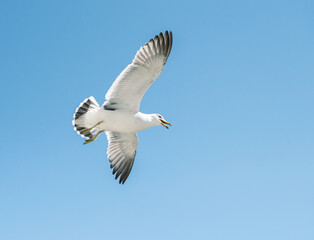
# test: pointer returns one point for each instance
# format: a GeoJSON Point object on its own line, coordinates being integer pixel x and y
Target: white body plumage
{"type": "Point", "coordinates": [120, 121]}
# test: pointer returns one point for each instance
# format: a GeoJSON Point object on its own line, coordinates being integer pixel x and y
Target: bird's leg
{"type": "Point", "coordinates": [88, 129]}
{"type": "Point", "coordinates": [94, 138]}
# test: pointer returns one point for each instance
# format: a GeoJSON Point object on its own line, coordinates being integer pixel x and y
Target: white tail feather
{"type": "Point", "coordinates": [85, 117]}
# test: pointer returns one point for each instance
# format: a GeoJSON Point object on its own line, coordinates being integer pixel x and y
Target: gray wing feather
{"type": "Point", "coordinates": [121, 153]}
{"type": "Point", "coordinates": [130, 86]}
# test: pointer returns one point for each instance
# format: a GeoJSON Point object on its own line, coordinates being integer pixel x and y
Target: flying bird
{"type": "Point", "coordinates": [119, 117]}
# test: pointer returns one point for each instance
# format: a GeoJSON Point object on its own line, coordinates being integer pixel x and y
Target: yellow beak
{"type": "Point", "coordinates": [164, 123]}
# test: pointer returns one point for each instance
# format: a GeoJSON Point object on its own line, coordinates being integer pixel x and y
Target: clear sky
{"type": "Point", "coordinates": [238, 88]}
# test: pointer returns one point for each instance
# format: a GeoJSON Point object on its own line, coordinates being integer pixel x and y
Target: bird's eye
{"type": "Point", "coordinates": [159, 116]}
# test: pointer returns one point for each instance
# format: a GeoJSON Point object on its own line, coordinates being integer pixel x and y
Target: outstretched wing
{"type": "Point", "coordinates": [121, 153]}
{"type": "Point", "coordinates": [130, 86]}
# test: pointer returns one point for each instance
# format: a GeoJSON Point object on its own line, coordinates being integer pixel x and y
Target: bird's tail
{"type": "Point", "coordinates": [86, 118]}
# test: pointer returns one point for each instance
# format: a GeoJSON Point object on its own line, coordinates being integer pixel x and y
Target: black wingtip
{"type": "Point", "coordinates": [166, 42]}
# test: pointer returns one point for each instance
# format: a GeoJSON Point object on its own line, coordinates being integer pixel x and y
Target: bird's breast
{"type": "Point", "coordinates": [120, 121]}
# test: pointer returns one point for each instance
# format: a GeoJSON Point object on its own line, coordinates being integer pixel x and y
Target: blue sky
{"type": "Point", "coordinates": [238, 88]}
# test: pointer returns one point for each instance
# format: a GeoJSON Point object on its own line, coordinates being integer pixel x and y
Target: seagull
{"type": "Point", "coordinates": [119, 117]}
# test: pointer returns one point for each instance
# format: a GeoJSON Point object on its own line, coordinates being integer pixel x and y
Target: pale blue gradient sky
{"type": "Point", "coordinates": [238, 88]}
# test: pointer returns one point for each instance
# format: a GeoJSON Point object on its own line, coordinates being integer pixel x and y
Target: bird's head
{"type": "Point", "coordinates": [159, 120]}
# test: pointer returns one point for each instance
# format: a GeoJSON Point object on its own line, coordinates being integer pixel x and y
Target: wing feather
{"type": "Point", "coordinates": [121, 153]}
{"type": "Point", "coordinates": [130, 86]}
